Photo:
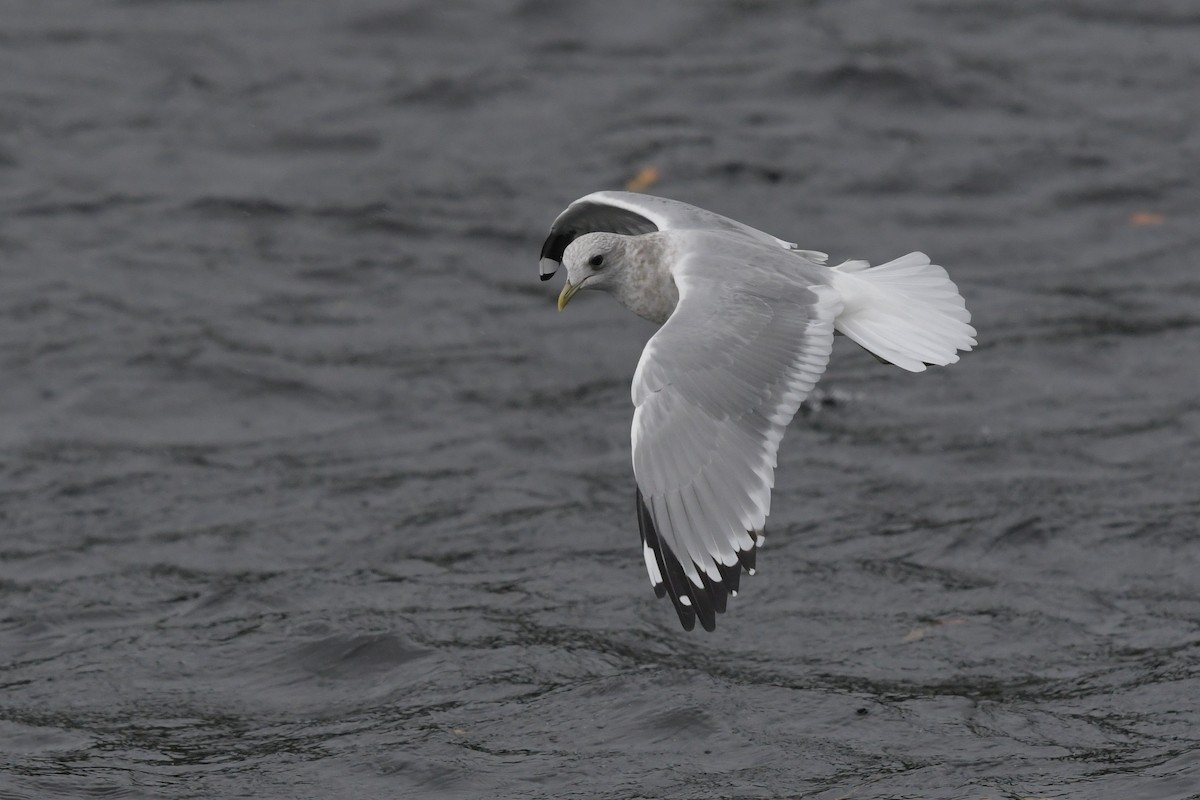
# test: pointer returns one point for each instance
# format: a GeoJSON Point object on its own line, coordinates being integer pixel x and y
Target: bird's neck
{"type": "Point", "coordinates": [648, 289]}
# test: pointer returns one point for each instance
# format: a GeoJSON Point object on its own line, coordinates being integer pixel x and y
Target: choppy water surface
{"type": "Point", "coordinates": [307, 491]}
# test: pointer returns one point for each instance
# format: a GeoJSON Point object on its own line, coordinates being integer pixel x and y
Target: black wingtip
{"type": "Point", "coordinates": [589, 217]}
{"type": "Point", "coordinates": [673, 579]}
{"type": "Point", "coordinates": [731, 576]}
{"type": "Point", "coordinates": [747, 558]}
{"type": "Point", "coordinates": [691, 602]}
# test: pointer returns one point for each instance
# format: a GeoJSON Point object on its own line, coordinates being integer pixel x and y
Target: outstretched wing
{"type": "Point", "coordinates": [714, 391]}
{"type": "Point", "coordinates": [631, 214]}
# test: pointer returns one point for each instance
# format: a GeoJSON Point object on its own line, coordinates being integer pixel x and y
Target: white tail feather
{"type": "Point", "coordinates": [907, 311]}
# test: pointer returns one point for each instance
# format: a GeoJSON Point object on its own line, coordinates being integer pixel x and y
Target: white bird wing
{"type": "Point", "coordinates": [631, 213]}
{"type": "Point", "coordinates": [714, 391]}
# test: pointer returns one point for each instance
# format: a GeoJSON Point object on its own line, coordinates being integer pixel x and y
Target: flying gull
{"type": "Point", "coordinates": [747, 328]}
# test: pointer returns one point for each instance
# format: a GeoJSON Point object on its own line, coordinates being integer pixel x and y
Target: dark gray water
{"type": "Point", "coordinates": [308, 491]}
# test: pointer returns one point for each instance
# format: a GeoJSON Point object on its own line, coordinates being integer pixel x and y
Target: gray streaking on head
{"type": "Point", "coordinates": [747, 328]}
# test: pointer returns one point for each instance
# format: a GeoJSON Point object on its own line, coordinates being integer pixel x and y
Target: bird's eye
{"type": "Point", "coordinates": [596, 260]}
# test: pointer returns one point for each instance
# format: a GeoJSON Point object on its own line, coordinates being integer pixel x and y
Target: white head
{"type": "Point", "coordinates": [593, 261]}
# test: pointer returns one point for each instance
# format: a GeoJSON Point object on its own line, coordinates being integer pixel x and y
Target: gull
{"type": "Point", "coordinates": [747, 325]}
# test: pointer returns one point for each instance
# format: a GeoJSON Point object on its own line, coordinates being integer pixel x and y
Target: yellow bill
{"type": "Point", "coordinates": [568, 291]}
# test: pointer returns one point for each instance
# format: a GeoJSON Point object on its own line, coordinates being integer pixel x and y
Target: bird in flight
{"type": "Point", "coordinates": [747, 325]}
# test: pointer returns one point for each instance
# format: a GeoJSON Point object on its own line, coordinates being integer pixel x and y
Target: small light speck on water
{"type": "Point", "coordinates": [308, 490]}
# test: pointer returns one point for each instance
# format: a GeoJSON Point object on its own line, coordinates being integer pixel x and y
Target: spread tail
{"type": "Point", "coordinates": [907, 312]}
